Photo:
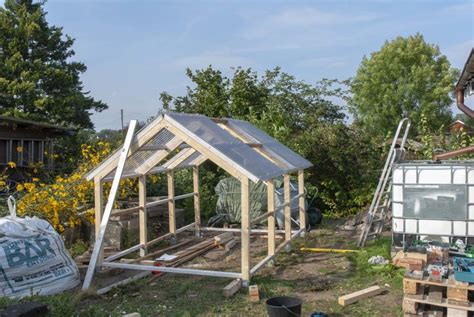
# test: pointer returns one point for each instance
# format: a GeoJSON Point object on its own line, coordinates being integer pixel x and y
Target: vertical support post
{"type": "Point", "coordinates": [197, 202]}
{"type": "Point", "coordinates": [171, 203]}
{"type": "Point", "coordinates": [245, 233]}
{"type": "Point", "coordinates": [301, 200]}
{"type": "Point", "coordinates": [271, 218]}
{"type": "Point", "coordinates": [99, 209]}
{"type": "Point", "coordinates": [287, 209]}
{"type": "Point", "coordinates": [142, 214]}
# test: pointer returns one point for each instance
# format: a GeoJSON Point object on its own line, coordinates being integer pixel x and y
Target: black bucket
{"type": "Point", "coordinates": [284, 306]}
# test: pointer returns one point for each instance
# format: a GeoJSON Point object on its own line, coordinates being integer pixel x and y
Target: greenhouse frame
{"type": "Point", "coordinates": [174, 141]}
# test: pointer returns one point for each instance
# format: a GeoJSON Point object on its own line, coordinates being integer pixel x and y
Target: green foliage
{"type": "Point", "coordinates": [301, 116]}
{"type": "Point", "coordinates": [38, 80]}
{"type": "Point", "coordinates": [407, 77]}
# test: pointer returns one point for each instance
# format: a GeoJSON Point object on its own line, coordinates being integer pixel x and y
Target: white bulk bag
{"type": "Point", "coordinates": [33, 259]}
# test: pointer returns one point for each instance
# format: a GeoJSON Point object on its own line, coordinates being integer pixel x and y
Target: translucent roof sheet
{"type": "Point", "coordinates": [226, 145]}
{"type": "Point", "coordinates": [294, 160]}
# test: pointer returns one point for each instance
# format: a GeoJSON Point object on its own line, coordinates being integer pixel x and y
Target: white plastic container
{"type": "Point", "coordinates": [433, 199]}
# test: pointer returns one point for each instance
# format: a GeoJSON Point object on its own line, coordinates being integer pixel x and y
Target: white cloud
{"type": "Point", "coordinates": [302, 18]}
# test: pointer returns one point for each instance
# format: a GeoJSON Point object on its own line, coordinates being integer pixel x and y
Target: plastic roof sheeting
{"type": "Point", "coordinates": [275, 148]}
{"type": "Point", "coordinates": [222, 141]}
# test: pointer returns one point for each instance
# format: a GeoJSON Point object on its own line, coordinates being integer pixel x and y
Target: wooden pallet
{"type": "Point", "coordinates": [447, 293]}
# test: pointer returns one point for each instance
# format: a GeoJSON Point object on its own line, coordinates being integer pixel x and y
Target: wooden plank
{"type": "Point", "coordinates": [99, 209]}
{"type": "Point", "coordinates": [444, 282]}
{"type": "Point", "coordinates": [271, 217]}
{"type": "Point", "coordinates": [453, 312]}
{"type": "Point", "coordinates": [98, 245]}
{"type": "Point", "coordinates": [457, 293]}
{"type": "Point", "coordinates": [197, 196]}
{"type": "Point", "coordinates": [409, 307]}
{"type": "Point", "coordinates": [444, 302]}
{"type": "Point", "coordinates": [233, 287]}
{"type": "Point", "coordinates": [245, 234]}
{"type": "Point", "coordinates": [230, 244]}
{"type": "Point", "coordinates": [410, 287]}
{"type": "Point", "coordinates": [179, 158]}
{"type": "Point", "coordinates": [223, 237]}
{"type": "Point", "coordinates": [142, 214]}
{"type": "Point", "coordinates": [362, 294]}
{"type": "Point", "coordinates": [254, 294]}
{"type": "Point", "coordinates": [171, 204]}
{"type": "Point", "coordinates": [301, 200]}
{"type": "Point", "coordinates": [287, 209]}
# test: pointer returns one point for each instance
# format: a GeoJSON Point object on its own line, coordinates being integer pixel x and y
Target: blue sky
{"type": "Point", "coordinates": [136, 49]}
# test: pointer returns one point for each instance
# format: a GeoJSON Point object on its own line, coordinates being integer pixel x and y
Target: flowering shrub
{"type": "Point", "coordinates": [69, 200]}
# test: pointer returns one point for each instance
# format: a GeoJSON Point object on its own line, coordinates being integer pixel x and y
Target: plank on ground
{"type": "Point", "coordinates": [362, 294]}
{"type": "Point", "coordinates": [232, 288]}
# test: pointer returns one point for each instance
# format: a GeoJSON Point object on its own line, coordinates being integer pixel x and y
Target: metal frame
{"type": "Point", "coordinates": [184, 139]}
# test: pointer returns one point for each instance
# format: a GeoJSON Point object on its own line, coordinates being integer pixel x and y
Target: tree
{"type": "Point", "coordinates": [406, 77]}
{"type": "Point", "coordinates": [38, 80]}
{"type": "Point", "coordinates": [301, 116]}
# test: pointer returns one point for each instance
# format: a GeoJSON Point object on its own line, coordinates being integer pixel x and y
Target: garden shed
{"type": "Point", "coordinates": [175, 141]}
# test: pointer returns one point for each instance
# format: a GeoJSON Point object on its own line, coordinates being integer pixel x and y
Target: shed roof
{"type": "Point", "coordinates": [179, 140]}
{"type": "Point", "coordinates": [467, 72]}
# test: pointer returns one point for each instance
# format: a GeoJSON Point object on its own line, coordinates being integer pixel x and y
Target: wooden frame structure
{"type": "Point", "coordinates": [175, 141]}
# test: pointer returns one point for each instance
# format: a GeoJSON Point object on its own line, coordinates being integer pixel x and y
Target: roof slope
{"type": "Point", "coordinates": [179, 140]}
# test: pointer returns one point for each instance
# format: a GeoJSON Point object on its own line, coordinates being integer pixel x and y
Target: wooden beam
{"type": "Point", "coordinates": [197, 203]}
{"type": "Point", "coordinates": [232, 288]}
{"type": "Point", "coordinates": [142, 214]}
{"type": "Point", "coordinates": [99, 209]}
{"type": "Point", "coordinates": [98, 245]}
{"type": "Point", "coordinates": [362, 294]}
{"type": "Point", "coordinates": [301, 199]}
{"type": "Point", "coordinates": [159, 156]}
{"type": "Point", "coordinates": [180, 157]}
{"type": "Point", "coordinates": [287, 209]}
{"type": "Point", "coordinates": [271, 218]}
{"type": "Point", "coordinates": [171, 203]}
{"type": "Point", "coordinates": [245, 235]}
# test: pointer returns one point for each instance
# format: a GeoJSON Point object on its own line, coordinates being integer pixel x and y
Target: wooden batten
{"type": "Point", "coordinates": [287, 209]}
{"type": "Point", "coordinates": [301, 199]}
{"type": "Point", "coordinates": [245, 235]}
{"type": "Point", "coordinates": [142, 214]}
{"type": "Point", "coordinates": [271, 217]}
{"type": "Point", "coordinates": [99, 209]}
{"type": "Point", "coordinates": [171, 202]}
{"type": "Point", "coordinates": [197, 197]}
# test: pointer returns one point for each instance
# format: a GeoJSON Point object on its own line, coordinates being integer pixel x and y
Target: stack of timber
{"type": "Point", "coordinates": [225, 241]}
{"type": "Point", "coordinates": [83, 259]}
{"type": "Point", "coordinates": [422, 294]}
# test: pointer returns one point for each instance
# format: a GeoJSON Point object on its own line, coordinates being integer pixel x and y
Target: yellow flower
{"type": "Point", "coordinates": [11, 164]}
{"type": "Point", "coordinates": [19, 149]}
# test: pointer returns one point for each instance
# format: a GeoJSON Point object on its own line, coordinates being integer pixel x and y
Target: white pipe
{"type": "Point", "coordinates": [165, 269]}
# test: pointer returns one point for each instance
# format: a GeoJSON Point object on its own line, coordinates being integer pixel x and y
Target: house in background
{"type": "Point", "coordinates": [458, 126]}
{"type": "Point", "coordinates": [26, 142]}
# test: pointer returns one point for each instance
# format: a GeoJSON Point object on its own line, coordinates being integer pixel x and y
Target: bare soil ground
{"type": "Point", "coordinates": [317, 278]}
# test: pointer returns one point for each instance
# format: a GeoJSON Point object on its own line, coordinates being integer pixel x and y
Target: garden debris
{"type": "Point", "coordinates": [378, 260]}
{"type": "Point", "coordinates": [253, 293]}
{"type": "Point", "coordinates": [410, 260]}
{"type": "Point", "coordinates": [362, 294]}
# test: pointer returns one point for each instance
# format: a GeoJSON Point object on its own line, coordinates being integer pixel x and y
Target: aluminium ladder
{"type": "Point", "coordinates": [381, 202]}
